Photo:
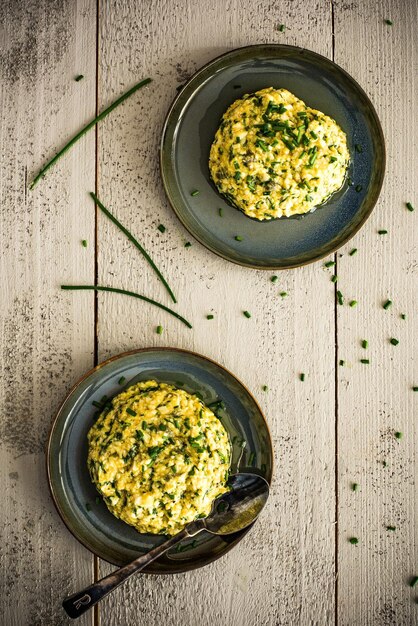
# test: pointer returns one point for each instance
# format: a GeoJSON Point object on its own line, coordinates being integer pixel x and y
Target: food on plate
{"type": "Point", "coordinates": [159, 457]}
{"type": "Point", "coordinates": [273, 156]}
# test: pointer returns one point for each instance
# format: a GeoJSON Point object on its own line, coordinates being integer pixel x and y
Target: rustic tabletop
{"type": "Point", "coordinates": [342, 425]}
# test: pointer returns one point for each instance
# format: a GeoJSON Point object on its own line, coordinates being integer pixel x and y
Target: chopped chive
{"type": "Point", "coordinates": [88, 506]}
{"type": "Point", "coordinates": [127, 293]}
{"type": "Point", "coordinates": [251, 459]}
{"type": "Point", "coordinates": [414, 388]}
{"type": "Point", "coordinates": [274, 279]}
{"type": "Point", "coordinates": [409, 206]}
{"type": "Point", "coordinates": [238, 238]}
{"type": "Point", "coordinates": [387, 304]}
{"type": "Point", "coordinates": [79, 77]}
{"type": "Point", "coordinates": [413, 581]}
{"type": "Point", "coordinates": [389, 22]}
{"type": "Point", "coordinates": [353, 540]}
{"type": "Point", "coordinates": [98, 500]}
{"type": "Point", "coordinates": [365, 361]}
{"type": "Point", "coordinates": [135, 242]}
{"type": "Point", "coordinates": [391, 528]}
{"type": "Point", "coordinates": [121, 380]}
{"type": "Point", "coordinates": [209, 317]}
{"type": "Point", "coordinates": [398, 435]}
{"type": "Point", "coordinates": [359, 188]}
{"type": "Point", "coordinates": [195, 192]}
{"type": "Point", "coordinates": [220, 211]}
{"type": "Point", "coordinates": [329, 263]}
{"type": "Point", "coordinates": [342, 363]}
{"type": "Point", "coordinates": [86, 128]}
{"type": "Point", "coordinates": [334, 278]}
{"type": "Point", "coordinates": [159, 330]}
{"type": "Point", "coordinates": [353, 251]}
{"type": "Point", "coordinates": [314, 135]}
{"type": "Point", "coordinates": [161, 228]}
{"type": "Point", "coordinates": [302, 376]}
{"type": "Point", "coordinates": [354, 487]}
{"type": "Point", "coordinates": [283, 294]}
{"type": "Point", "coordinates": [247, 314]}
{"type": "Point", "coordinates": [340, 297]}
{"type": "Point", "coordinates": [382, 232]}
{"type": "Point", "coordinates": [264, 388]}
{"type": "Point", "coordinates": [332, 159]}
{"type": "Point", "coordinates": [394, 341]}
{"type": "Point", "coordinates": [84, 243]}
{"type": "Point", "coordinates": [353, 303]}
{"type": "Point", "coordinates": [282, 28]}
{"type": "Point", "coordinates": [364, 343]}
{"type": "Point", "coordinates": [403, 316]}
{"type": "Point", "coordinates": [98, 405]}
{"type": "Point", "coordinates": [358, 148]}
{"type": "Point", "coordinates": [131, 412]}
{"type": "Point", "coordinates": [187, 244]}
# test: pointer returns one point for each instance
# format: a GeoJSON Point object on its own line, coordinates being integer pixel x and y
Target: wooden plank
{"type": "Point", "coordinates": [377, 400]}
{"type": "Point", "coordinates": [283, 572]}
{"type": "Point", "coordinates": [46, 339]}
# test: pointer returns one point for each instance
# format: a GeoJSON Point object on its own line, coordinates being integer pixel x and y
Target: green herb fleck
{"type": "Point", "coordinates": [247, 314]}
{"type": "Point", "coordinates": [387, 304]}
{"type": "Point", "coordinates": [220, 211]}
{"type": "Point", "coordinates": [364, 343]}
{"type": "Point", "coordinates": [342, 363]}
{"type": "Point", "coordinates": [403, 316]}
{"type": "Point", "coordinates": [340, 297]}
{"type": "Point", "coordinates": [79, 77]}
{"type": "Point", "coordinates": [88, 506]}
{"type": "Point", "coordinates": [394, 341]}
{"type": "Point", "coordinates": [391, 528]}
{"type": "Point", "coordinates": [98, 499]}
{"type": "Point", "coordinates": [131, 412]}
{"type": "Point", "coordinates": [209, 317]}
{"type": "Point", "coordinates": [358, 148]}
{"type": "Point", "coordinates": [382, 232]}
{"type": "Point", "coordinates": [187, 244]}
{"type": "Point", "coordinates": [413, 581]}
{"type": "Point", "coordinates": [353, 251]}
{"type": "Point", "coordinates": [238, 238]}
{"type": "Point", "coordinates": [409, 206]}
{"type": "Point", "coordinates": [281, 28]}
{"type": "Point", "coordinates": [354, 487]}
{"type": "Point", "coordinates": [359, 188]}
{"type": "Point", "coordinates": [195, 192]}
{"type": "Point", "coordinates": [414, 388]}
{"type": "Point", "coordinates": [264, 388]}
{"type": "Point", "coordinates": [353, 303]}
{"type": "Point", "coordinates": [332, 159]}
{"type": "Point", "coordinates": [389, 22]}
{"type": "Point", "coordinates": [365, 361]}
{"type": "Point", "coordinates": [398, 435]}
{"type": "Point", "coordinates": [329, 264]}
{"type": "Point", "coordinates": [121, 380]}
{"type": "Point", "coordinates": [334, 278]}
{"type": "Point", "coordinates": [159, 330]}
{"type": "Point", "coordinates": [274, 279]}
{"type": "Point", "coordinates": [302, 376]}
{"type": "Point", "coordinates": [161, 228]}
{"type": "Point", "coordinates": [84, 243]}
{"type": "Point", "coordinates": [353, 540]}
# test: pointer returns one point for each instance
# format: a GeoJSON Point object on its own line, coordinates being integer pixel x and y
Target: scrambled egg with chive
{"type": "Point", "coordinates": [159, 457]}
{"type": "Point", "coordinates": [273, 156]}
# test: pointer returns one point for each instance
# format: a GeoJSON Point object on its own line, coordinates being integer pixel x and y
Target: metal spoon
{"type": "Point", "coordinates": [231, 512]}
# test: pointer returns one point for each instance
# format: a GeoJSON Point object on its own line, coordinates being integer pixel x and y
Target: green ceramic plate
{"type": "Point", "coordinates": [72, 490]}
{"type": "Point", "coordinates": [190, 128]}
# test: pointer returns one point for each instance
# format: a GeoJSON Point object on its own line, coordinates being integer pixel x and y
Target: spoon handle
{"type": "Point", "coordinates": [80, 602]}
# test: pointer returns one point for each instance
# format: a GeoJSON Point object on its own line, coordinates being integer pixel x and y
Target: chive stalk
{"type": "Point", "coordinates": [134, 241]}
{"type": "Point", "coordinates": [387, 304]}
{"type": "Point", "coordinates": [409, 206]}
{"type": "Point", "coordinates": [84, 243]}
{"type": "Point", "coordinates": [86, 128]}
{"type": "Point", "coordinates": [127, 293]}
{"type": "Point", "coordinates": [353, 251]}
{"type": "Point", "coordinates": [247, 314]}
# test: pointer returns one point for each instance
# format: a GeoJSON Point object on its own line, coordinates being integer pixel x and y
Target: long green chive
{"type": "Point", "coordinates": [413, 581]}
{"type": "Point", "coordinates": [353, 303]}
{"type": "Point", "coordinates": [159, 330]}
{"type": "Point", "coordinates": [86, 128]}
{"type": "Point", "coordinates": [409, 206]}
{"type": "Point", "coordinates": [358, 148]}
{"type": "Point", "coordinates": [238, 238]}
{"type": "Point", "coordinates": [314, 135]}
{"type": "Point", "coordinates": [121, 380]}
{"type": "Point", "coordinates": [131, 412]}
{"type": "Point", "coordinates": [391, 528]}
{"type": "Point", "coordinates": [127, 293]}
{"type": "Point", "coordinates": [340, 297]}
{"type": "Point", "coordinates": [274, 279]}
{"type": "Point", "coordinates": [382, 232]}
{"type": "Point", "coordinates": [353, 251]}
{"type": "Point", "coordinates": [364, 343]}
{"type": "Point", "coordinates": [84, 243]}
{"type": "Point", "coordinates": [354, 487]}
{"type": "Point", "coordinates": [187, 244]}
{"type": "Point", "coordinates": [247, 314]}
{"type": "Point", "coordinates": [365, 361]}
{"type": "Point", "coordinates": [342, 363]}
{"type": "Point", "coordinates": [209, 317]}
{"type": "Point", "coordinates": [79, 77]}
{"type": "Point", "coordinates": [353, 540]}
{"type": "Point", "coordinates": [161, 228]}
{"type": "Point", "coordinates": [302, 377]}
{"type": "Point", "coordinates": [134, 241]}
{"type": "Point", "coordinates": [398, 435]}
{"type": "Point", "coordinates": [389, 22]}
{"type": "Point", "coordinates": [359, 188]}
{"type": "Point", "coordinates": [387, 304]}
{"type": "Point", "coordinates": [264, 388]}
{"type": "Point", "coordinates": [329, 263]}
{"type": "Point", "coordinates": [195, 192]}
{"type": "Point", "coordinates": [394, 341]}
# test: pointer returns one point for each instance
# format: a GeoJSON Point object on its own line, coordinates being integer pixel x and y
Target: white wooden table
{"type": "Point", "coordinates": [297, 566]}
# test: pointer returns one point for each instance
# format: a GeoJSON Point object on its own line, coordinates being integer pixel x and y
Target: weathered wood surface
{"type": "Point", "coordinates": [296, 566]}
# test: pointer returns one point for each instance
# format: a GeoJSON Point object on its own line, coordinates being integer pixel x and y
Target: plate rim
{"type": "Point", "coordinates": [264, 47]}
{"type": "Point", "coordinates": [186, 567]}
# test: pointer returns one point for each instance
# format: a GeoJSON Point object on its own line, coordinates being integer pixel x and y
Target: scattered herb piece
{"type": "Point", "coordinates": [131, 412]}
{"type": "Point", "coordinates": [342, 363]}
{"type": "Point", "coordinates": [187, 244]}
{"type": "Point", "coordinates": [409, 206]}
{"type": "Point", "coordinates": [247, 314]}
{"type": "Point", "coordinates": [387, 304]}
{"type": "Point", "coordinates": [364, 343]}
{"type": "Point", "coordinates": [79, 77]}
{"type": "Point", "coordinates": [283, 294]}
{"type": "Point", "coordinates": [97, 499]}
{"type": "Point", "coordinates": [382, 232]}
{"type": "Point", "coordinates": [334, 278]}
{"type": "Point", "coordinates": [209, 317]}
{"type": "Point", "coordinates": [302, 377]}
{"type": "Point", "coordinates": [414, 388]}
{"type": "Point", "coordinates": [353, 540]}
{"type": "Point", "coordinates": [359, 188]}
{"type": "Point", "coordinates": [358, 148]}
{"type": "Point", "coordinates": [391, 528]}
{"type": "Point", "coordinates": [127, 293]}
{"type": "Point", "coordinates": [264, 388]}
{"type": "Point", "coordinates": [84, 243]}
{"type": "Point", "coordinates": [353, 251]}
{"type": "Point", "coordinates": [354, 487]}
{"type": "Point", "coordinates": [282, 28]}
{"type": "Point", "coordinates": [394, 341]}
{"type": "Point", "coordinates": [365, 361]}
{"type": "Point", "coordinates": [413, 581]}
{"type": "Point", "coordinates": [98, 405]}
{"type": "Point", "coordinates": [274, 279]}
{"type": "Point", "coordinates": [86, 128]}
{"type": "Point", "coordinates": [403, 316]}
{"type": "Point", "coordinates": [329, 263]}
{"type": "Point", "coordinates": [88, 506]}
{"type": "Point", "coordinates": [340, 297]}
{"type": "Point", "coordinates": [161, 228]}
{"type": "Point", "coordinates": [389, 22]}
{"type": "Point", "coordinates": [398, 435]}
{"type": "Point", "coordinates": [159, 330]}
{"type": "Point", "coordinates": [238, 238]}
{"type": "Point", "coordinates": [251, 459]}
{"type": "Point", "coordinates": [353, 303]}
{"type": "Point", "coordinates": [384, 463]}
{"type": "Point", "coordinates": [220, 211]}
{"type": "Point", "coordinates": [135, 242]}
{"type": "Point", "coordinates": [121, 380]}
{"type": "Point", "coordinates": [195, 192]}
